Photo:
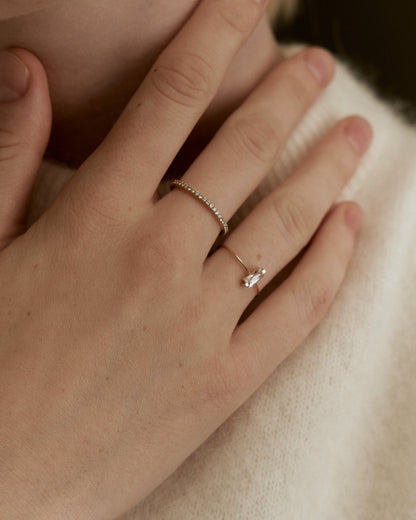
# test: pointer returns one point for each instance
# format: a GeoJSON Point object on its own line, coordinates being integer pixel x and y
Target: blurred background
{"type": "Point", "coordinates": [376, 37]}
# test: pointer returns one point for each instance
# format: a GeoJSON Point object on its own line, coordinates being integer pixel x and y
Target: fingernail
{"type": "Point", "coordinates": [354, 217]}
{"type": "Point", "coordinates": [321, 64]}
{"type": "Point", "coordinates": [359, 133]}
{"type": "Point", "coordinates": [14, 77]}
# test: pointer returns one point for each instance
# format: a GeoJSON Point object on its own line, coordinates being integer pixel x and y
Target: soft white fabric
{"type": "Point", "coordinates": [331, 434]}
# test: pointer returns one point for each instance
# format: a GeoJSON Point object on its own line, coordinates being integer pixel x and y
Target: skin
{"type": "Point", "coordinates": [86, 106]}
{"type": "Point", "coordinates": [121, 351]}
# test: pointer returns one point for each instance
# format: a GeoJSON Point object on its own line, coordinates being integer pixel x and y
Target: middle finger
{"type": "Point", "coordinates": [247, 146]}
{"type": "Point", "coordinates": [177, 90]}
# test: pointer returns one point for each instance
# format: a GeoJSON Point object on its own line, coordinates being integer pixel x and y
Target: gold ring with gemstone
{"type": "Point", "coordinates": [253, 276]}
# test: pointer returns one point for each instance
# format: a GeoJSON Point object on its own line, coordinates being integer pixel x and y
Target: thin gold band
{"type": "Point", "coordinates": [178, 183]}
{"type": "Point", "coordinates": [237, 257]}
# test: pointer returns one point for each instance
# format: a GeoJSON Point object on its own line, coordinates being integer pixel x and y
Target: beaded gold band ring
{"type": "Point", "coordinates": [178, 183]}
{"type": "Point", "coordinates": [253, 276]}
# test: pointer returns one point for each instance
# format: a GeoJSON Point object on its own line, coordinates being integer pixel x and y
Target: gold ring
{"type": "Point", "coordinates": [253, 276]}
{"type": "Point", "coordinates": [178, 183]}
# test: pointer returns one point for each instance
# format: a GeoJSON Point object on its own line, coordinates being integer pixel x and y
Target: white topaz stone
{"type": "Point", "coordinates": [253, 278]}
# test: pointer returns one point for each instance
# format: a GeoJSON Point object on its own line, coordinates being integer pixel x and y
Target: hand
{"type": "Point", "coordinates": [120, 349]}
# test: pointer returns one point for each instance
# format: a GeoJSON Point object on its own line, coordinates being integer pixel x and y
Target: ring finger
{"type": "Point", "coordinates": [247, 145]}
{"type": "Point", "coordinates": [285, 221]}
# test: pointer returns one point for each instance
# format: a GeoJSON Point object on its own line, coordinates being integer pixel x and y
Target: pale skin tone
{"type": "Point", "coordinates": [121, 47]}
{"type": "Point", "coordinates": [120, 349]}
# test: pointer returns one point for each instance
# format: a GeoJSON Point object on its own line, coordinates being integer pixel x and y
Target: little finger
{"type": "Point", "coordinates": [285, 319]}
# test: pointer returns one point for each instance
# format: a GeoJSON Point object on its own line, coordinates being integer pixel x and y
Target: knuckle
{"type": "Point", "coordinates": [256, 136]}
{"type": "Point", "coordinates": [291, 219]}
{"type": "Point", "coordinates": [10, 145]}
{"type": "Point", "coordinates": [162, 253]}
{"type": "Point", "coordinates": [161, 258]}
{"type": "Point", "coordinates": [312, 297]}
{"type": "Point", "coordinates": [187, 80]}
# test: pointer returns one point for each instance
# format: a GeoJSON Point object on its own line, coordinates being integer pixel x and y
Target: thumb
{"type": "Point", "coordinates": [25, 123]}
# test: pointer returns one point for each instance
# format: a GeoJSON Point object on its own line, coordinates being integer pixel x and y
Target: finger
{"type": "Point", "coordinates": [285, 221]}
{"type": "Point", "coordinates": [290, 313]}
{"type": "Point", "coordinates": [248, 144]}
{"type": "Point", "coordinates": [164, 110]}
{"type": "Point", "coordinates": [25, 121]}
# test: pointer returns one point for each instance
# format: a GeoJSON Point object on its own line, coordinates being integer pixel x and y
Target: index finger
{"type": "Point", "coordinates": [172, 97]}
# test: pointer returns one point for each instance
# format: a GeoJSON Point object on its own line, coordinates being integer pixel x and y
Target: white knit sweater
{"type": "Point", "coordinates": [331, 434]}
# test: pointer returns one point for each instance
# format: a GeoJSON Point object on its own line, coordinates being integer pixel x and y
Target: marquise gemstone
{"type": "Point", "coordinates": [253, 278]}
